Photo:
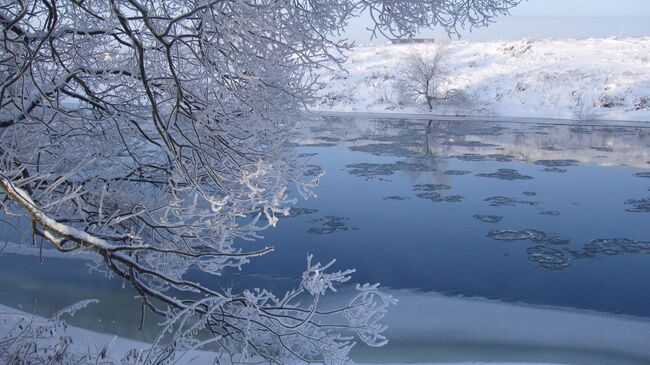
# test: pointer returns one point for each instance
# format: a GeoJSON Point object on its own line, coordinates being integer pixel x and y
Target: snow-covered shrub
{"type": "Point", "coordinates": [641, 103]}
{"type": "Point", "coordinates": [611, 101]}
{"type": "Point", "coordinates": [32, 340]}
{"type": "Point", "coordinates": [583, 105]}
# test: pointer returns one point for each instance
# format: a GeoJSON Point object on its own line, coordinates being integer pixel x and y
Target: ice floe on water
{"type": "Point", "coordinates": [556, 163]}
{"type": "Point", "coordinates": [456, 172]}
{"type": "Point", "coordinates": [293, 212]}
{"type": "Point", "coordinates": [306, 155]}
{"type": "Point", "coordinates": [613, 247]}
{"type": "Point", "coordinates": [552, 213]}
{"type": "Point", "coordinates": [298, 211]}
{"type": "Point", "coordinates": [475, 157]}
{"type": "Point", "coordinates": [373, 170]}
{"type": "Point", "coordinates": [330, 224]}
{"type": "Point", "coordinates": [311, 144]}
{"type": "Point", "coordinates": [500, 201]}
{"type": "Point", "coordinates": [431, 192]}
{"type": "Point", "coordinates": [527, 235]}
{"type": "Point", "coordinates": [561, 258]}
{"type": "Point", "coordinates": [396, 197]}
{"type": "Point", "coordinates": [386, 149]}
{"type": "Point", "coordinates": [506, 174]}
{"type": "Point", "coordinates": [554, 169]}
{"type": "Point", "coordinates": [430, 187]}
{"type": "Point", "coordinates": [313, 170]}
{"type": "Point", "coordinates": [467, 143]}
{"type": "Point", "coordinates": [548, 257]}
{"type": "Point", "coordinates": [638, 205]}
{"type": "Point", "coordinates": [488, 218]}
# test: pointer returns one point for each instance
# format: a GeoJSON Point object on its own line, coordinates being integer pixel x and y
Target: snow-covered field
{"type": "Point", "coordinates": [541, 78]}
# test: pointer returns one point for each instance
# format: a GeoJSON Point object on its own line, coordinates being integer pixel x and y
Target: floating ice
{"type": "Point", "coordinates": [480, 158]}
{"type": "Point", "coordinates": [371, 170]}
{"type": "Point", "coordinates": [329, 139]}
{"type": "Point", "coordinates": [554, 169]}
{"type": "Point", "coordinates": [550, 212]}
{"type": "Point", "coordinates": [466, 143]}
{"type": "Point", "coordinates": [293, 212]}
{"type": "Point", "coordinates": [313, 170]}
{"type": "Point", "coordinates": [556, 259]}
{"type": "Point", "coordinates": [430, 187]}
{"type": "Point", "coordinates": [643, 174]}
{"type": "Point", "coordinates": [386, 149]}
{"type": "Point", "coordinates": [296, 212]}
{"type": "Point", "coordinates": [499, 201]}
{"type": "Point", "coordinates": [456, 172]}
{"type": "Point", "coordinates": [331, 224]}
{"type": "Point", "coordinates": [437, 197]}
{"type": "Point", "coordinates": [602, 149]}
{"type": "Point", "coordinates": [311, 144]}
{"type": "Point", "coordinates": [527, 234]}
{"type": "Point", "coordinates": [311, 154]}
{"type": "Point", "coordinates": [613, 247]}
{"type": "Point", "coordinates": [488, 218]}
{"type": "Point", "coordinates": [396, 197]}
{"type": "Point", "coordinates": [430, 192]}
{"type": "Point", "coordinates": [506, 174]}
{"type": "Point", "coordinates": [549, 258]}
{"type": "Point", "coordinates": [638, 205]}
{"type": "Point", "coordinates": [556, 163]}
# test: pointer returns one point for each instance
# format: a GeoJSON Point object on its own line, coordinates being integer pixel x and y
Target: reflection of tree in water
{"type": "Point", "coordinates": [435, 150]}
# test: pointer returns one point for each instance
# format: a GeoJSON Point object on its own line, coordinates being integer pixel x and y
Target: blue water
{"type": "Point", "coordinates": [418, 243]}
{"type": "Point", "coordinates": [406, 219]}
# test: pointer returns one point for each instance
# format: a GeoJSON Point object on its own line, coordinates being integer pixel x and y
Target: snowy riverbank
{"type": "Point", "coordinates": [116, 348]}
{"type": "Point", "coordinates": [540, 78]}
{"type": "Point", "coordinates": [429, 328]}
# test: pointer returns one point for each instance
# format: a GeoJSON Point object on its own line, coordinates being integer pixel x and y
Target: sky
{"type": "Point", "coordinates": [550, 18]}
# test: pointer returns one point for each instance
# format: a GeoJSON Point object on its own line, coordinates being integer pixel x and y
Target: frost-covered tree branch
{"type": "Point", "coordinates": [153, 134]}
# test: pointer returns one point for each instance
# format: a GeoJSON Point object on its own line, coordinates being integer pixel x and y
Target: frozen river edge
{"type": "Point", "coordinates": [451, 118]}
{"type": "Point", "coordinates": [470, 331]}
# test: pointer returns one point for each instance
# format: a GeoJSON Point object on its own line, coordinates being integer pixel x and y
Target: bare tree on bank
{"type": "Point", "coordinates": [423, 73]}
{"type": "Point", "coordinates": [151, 133]}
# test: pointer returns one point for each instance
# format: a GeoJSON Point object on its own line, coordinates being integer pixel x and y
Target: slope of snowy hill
{"type": "Point", "coordinates": [605, 78]}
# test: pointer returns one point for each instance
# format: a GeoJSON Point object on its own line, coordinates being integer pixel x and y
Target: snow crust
{"type": "Point", "coordinates": [538, 78]}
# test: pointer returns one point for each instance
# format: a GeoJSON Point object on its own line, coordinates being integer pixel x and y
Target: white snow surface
{"type": "Point", "coordinates": [435, 318]}
{"type": "Point", "coordinates": [528, 78]}
{"type": "Point", "coordinates": [84, 340]}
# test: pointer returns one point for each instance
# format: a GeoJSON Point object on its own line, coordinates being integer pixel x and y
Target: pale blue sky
{"type": "Point", "coordinates": [552, 18]}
